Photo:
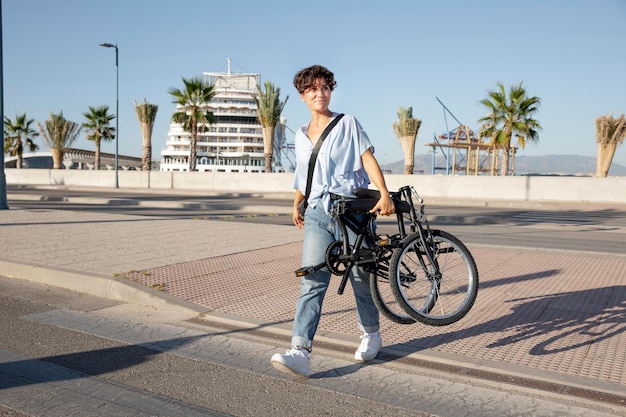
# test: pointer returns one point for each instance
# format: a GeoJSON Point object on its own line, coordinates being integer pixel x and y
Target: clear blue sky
{"type": "Point", "coordinates": [569, 53]}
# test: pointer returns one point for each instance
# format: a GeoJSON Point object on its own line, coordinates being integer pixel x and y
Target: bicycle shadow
{"type": "Point", "coordinates": [553, 323]}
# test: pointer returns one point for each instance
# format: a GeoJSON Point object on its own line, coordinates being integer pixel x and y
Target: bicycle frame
{"type": "Point", "coordinates": [363, 229]}
{"type": "Point", "coordinates": [353, 214]}
{"type": "Point", "coordinates": [408, 260]}
{"type": "Point", "coordinates": [345, 211]}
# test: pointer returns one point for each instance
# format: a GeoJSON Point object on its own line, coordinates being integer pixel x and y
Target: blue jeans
{"type": "Point", "coordinates": [320, 230]}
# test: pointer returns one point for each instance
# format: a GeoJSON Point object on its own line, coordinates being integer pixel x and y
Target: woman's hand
{"type": "Point", "coordinates": [385, 205]}
{"type": "Point", "coordinates": [298, 220]}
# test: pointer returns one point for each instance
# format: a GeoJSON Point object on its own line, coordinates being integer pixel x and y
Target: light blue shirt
{"type": "Point", "coordinates": [338, 168]}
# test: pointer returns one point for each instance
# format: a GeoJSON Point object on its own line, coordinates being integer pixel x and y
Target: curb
{"type": "Point", "coordinates": [450, 366]}
{"type": "Point", "coordinates": [111, 288]}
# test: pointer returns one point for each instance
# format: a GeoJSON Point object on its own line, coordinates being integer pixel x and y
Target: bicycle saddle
{"type": "Point", "coordinates": [401, 206]}
{"type": "Point", "coordinates": [366, 192]}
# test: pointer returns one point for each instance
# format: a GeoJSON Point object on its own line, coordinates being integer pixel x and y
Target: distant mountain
{"type": "Point", "coordinates": [524, 165]}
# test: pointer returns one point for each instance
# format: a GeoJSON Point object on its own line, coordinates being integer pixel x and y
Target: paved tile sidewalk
{"type": "Point", "coordinates": [549, 311]}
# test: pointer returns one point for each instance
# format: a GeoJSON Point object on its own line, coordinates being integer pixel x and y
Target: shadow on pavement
{"type": "Point", "coordinates": [552, 323]}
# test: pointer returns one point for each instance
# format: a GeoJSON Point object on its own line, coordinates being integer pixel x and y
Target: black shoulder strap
{"type": "Point", "coordinates": [314, 153]}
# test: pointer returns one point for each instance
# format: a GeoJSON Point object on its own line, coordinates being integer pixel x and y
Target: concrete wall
{"type": "Point", "coordinates": [582, 189]}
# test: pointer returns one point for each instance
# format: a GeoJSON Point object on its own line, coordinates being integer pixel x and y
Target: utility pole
{"type": "Point", "coordinates": [117, 109]}
{"type": "Point", "coordinates": [4, 205]}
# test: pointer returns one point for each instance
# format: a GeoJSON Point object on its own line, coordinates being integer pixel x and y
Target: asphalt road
{"type": "Point", "coordinates": [595, 228]}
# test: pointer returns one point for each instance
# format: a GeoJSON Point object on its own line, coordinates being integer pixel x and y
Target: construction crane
{"type": "Point", "coordinates": [464, 152]}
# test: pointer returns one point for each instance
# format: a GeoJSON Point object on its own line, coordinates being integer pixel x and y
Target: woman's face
{"type": "Point", "coordinates": [317, 98]}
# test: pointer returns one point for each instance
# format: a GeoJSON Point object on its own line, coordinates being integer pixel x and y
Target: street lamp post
{"type": "Point", "coordinates": [117, 108]}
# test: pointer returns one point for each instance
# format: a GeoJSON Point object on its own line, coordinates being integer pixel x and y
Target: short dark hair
{"type": "Point", "coordinates": [306, 78]}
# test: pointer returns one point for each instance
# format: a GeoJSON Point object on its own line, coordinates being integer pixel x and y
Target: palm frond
{"type": "Point", "coordinates": [407, 125]}
{"type": "Point", "coordinates": [97, 124]}
{"type": "Point", "coordinates": [269, 105]}
{"type": "Point", "coordinates": [146, 112]}
{"type": "Point", "coordinates": [19, 132]}
{"type": "Point", "coordinates": [58, 132]}
{"type": "Point", "coordinates": [192, 111]}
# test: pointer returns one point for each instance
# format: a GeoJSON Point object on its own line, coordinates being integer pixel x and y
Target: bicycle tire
{"type": "Point", "coordinates": [434, 298]}
{"type": "Point", "coordinates": [383, 296]}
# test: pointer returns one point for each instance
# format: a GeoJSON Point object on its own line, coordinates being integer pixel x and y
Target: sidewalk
{"type": "Point", "coordinates": [545, 320]}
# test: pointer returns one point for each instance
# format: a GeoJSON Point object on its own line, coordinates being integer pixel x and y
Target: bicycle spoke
{"type": "Point", "coordinates": [443, 288]}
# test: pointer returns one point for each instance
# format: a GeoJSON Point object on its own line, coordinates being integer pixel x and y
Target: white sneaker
{"type": "Point", "coordinates": [369, 347]}
{"type": "Point", "coordinates": [295, 361]}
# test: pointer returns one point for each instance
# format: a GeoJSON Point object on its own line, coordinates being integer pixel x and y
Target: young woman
{"type": "Point", "coordinates": [345, 162]}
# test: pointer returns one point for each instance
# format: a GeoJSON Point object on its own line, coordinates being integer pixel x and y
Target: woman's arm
{"type": "Point", "coordinates": [370, 164]}
{"type": "Point", "coordinates": [295, 215]}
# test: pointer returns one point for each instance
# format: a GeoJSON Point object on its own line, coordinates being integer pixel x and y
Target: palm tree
{"type": "Point", "coordinates": [58, 134]}
{"type": "Point", "coordinates": [610, 133]}
{"type": "Point", "coordinates": [17, 135]}
{"type": "Point", "coordinates": [98, 129]}
{"type": "Point", "coordinates": [406, 129]}
{"type": "Point", "coordinates": [510, 116]}
{"type": "Point", "coordinates": [269, 107]}
{"type": "Point", "coordinates": [146, 114]}
{"type": "Point", "coordinates": [191, 113]}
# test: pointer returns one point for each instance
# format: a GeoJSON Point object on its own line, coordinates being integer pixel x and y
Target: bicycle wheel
{"type": "Point", "coordinates": [434, 294]}
{"type": "Point", "coordinates": [383, 296]}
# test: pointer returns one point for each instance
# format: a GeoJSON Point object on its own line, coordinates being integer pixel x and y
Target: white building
{"type": "Point", "coordinates": [235, 142]}
{"type": "Point", "coordinates": [74, 159]}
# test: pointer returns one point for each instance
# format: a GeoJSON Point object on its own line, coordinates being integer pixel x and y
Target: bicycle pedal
{"type": "Point", "coordinates": [304, 271]}
{"type": "Point", "coordinates": [388, 241]}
